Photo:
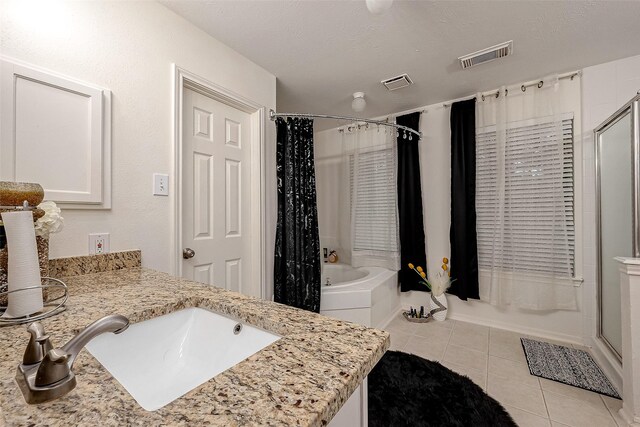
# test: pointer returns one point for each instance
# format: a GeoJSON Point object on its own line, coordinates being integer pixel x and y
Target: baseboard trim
{"type": "Point", "coordinates": [539, 333]}
{"type": "Point", "coordinates": [607, 362]}
{"type": "Point", "coordinates": [389, 319]}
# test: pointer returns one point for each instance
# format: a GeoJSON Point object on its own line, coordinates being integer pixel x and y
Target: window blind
{"type": "Point", "coordinates": [375, 219]}
{"type": "Point", "coordinates": [536, 224]}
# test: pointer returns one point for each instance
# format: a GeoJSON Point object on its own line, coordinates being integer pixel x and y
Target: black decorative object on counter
{"type": "Point", "coordinates": [297, 260]}
{"type": "Point", "coordinates": [406, 390]}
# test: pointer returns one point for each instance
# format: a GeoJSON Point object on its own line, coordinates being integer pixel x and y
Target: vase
{"type": "Point", "coordinates": [438, 307]}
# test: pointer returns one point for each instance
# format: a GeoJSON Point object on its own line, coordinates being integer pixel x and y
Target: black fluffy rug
{"type": "Point", "coordinates": [407, 390]}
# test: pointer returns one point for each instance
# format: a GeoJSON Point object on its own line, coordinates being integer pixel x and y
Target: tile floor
{"type": "Point", "coordinates": [494, 359]}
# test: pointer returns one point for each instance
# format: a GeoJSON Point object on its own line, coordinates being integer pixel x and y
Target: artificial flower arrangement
{"type": "Point", "coordinates": [51, 222]}
{"type": "Point", "coordinates": [438, 285]}
{"type": "Point", "coordinates": [440, 282]}
{"type": "Point", "coordinates": [420, 272]}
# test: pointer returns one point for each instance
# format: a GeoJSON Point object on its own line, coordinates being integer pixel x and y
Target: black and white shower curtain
{"type": "Point", "coordinates": [297, 261]}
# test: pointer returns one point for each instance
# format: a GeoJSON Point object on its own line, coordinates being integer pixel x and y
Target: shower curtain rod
{"type": "Point", "coordinates": [273, 115]}
{"type": "Point", "coordinates": [523, 87]}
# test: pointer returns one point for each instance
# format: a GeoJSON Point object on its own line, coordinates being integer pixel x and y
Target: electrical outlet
{"type": "Point", "coordinates": [160, 184]}
{"type": "Point", "coordinates": [98, 243]}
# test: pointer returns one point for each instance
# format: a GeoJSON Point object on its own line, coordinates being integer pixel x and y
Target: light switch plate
{"type": "Point", "coordinates": [160, 184]}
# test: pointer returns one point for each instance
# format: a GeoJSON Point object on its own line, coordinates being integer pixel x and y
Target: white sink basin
{"type": "Point", "coordinates": [161, 359]}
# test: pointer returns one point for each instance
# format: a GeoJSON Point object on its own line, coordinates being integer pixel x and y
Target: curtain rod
{"type": "Point", "coordinates": [273, 115]}
{"type": "Point", "coordinates": [523, 87]}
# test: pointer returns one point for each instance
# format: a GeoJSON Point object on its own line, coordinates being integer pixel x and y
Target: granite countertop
{"type": "Point", "coordinates": [302, 379]}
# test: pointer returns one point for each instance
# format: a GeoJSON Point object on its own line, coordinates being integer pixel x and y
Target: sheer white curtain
{"type": "Point", "coordinates": [368, 201]}
{"type": "Point", "coordinates": [524, 201]}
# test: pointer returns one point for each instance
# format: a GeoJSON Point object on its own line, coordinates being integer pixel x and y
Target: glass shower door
{"type": "Point", "coordinates": [616, 161]}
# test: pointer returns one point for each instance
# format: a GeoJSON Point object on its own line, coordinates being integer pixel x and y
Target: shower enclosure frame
{"type": "Point", "coordinates": [633, 109]}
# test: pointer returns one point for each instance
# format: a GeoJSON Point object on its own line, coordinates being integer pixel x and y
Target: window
{"type": "Point", "coordinates": [538, 198]}
{"type": "Point", "coordinates": [375, 219]}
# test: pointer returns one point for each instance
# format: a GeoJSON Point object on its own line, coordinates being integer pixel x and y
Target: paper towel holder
{"type": "Point", "coordinates": [51, 307]}
{"type": "Point", "coordinates": [24, 207]}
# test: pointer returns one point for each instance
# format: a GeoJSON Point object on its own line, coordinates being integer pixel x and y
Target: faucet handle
{"type": "Point", "coordinates": [54, 367]}
{"type": "Point", "coordinates": [38, 346]}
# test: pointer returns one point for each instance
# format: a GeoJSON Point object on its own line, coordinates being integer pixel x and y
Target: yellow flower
{"type": "Point", "coordinates": [423, 275]}
{"type": "Point", "coordinates": [444, 267]}
{"type": "Point", "coordinates": [445, 260]}
{"type": "Point", "coordinates": [411, 266]}
{"type": "Point", "coordinates": [419, 269]}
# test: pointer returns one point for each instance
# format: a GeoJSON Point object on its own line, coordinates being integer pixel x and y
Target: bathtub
{"type": "Point", "coordinates": [365, 295]}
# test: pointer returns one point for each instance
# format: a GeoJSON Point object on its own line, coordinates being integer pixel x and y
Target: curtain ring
{"type": "Point", "coordinates": [540, 84]}
{"type": "Point", "coordinates": [483, 97]}
{"type": "Point", "coordinates": [506, 92]}
{"type": "Point", "coordinates": [523, 88]}
{"type": "Point", "coordinates": [497, 94]}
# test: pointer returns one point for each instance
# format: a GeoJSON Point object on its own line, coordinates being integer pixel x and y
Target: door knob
{"type": "Point", "coordinates": [188, 253]}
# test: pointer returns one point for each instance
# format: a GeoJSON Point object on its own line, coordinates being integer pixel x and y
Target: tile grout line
{"type": "Point", "coordinates": [583, 401]}
{"type": "Point", "coordinates": [544, 400]}
{"type": "Point", "coordinates": [529, 412]}
{"type": "Point", "coordinates": [446, 347]}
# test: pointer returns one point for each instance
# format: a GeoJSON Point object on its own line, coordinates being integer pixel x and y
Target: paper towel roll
{"type": "Point", "coordinates": [23, 270]}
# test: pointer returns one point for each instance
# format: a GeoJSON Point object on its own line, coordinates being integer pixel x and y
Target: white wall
{"type": "Point", "coordinates": [128, 47]}
{"type": "Point", "coordinates": [605, 88]}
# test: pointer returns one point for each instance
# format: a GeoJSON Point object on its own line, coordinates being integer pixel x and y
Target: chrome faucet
{"type": "Point", "coordinates": [46, 373]}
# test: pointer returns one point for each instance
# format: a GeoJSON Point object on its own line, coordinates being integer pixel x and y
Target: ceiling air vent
{"type": "Point", "coordinates": [485, 55]}
{"type": "Point", "coordinates": [398, 82]}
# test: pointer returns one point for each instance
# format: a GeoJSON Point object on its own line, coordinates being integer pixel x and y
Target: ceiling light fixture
{"type": "Point", "coordinates": [358, 104]}
{"type": "Point", "coordinates": [378, 6]}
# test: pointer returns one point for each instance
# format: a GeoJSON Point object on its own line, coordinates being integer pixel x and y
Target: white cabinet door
{"type": "Point", "coordinates": [55, 131]}
{"type": "Point", "coordinates": [354, 413]}
{"type": "Point", "coordinates": [216, 192]}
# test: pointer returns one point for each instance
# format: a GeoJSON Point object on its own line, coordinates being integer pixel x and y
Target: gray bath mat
{"type": "Point", "coordinates": [566, 365]}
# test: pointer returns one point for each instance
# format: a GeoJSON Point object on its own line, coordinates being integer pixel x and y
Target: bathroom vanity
{"type": "Point", "coordinates": [303, 378]}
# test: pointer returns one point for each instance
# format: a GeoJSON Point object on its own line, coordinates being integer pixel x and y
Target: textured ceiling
{"type": "Point", "coordinates": [323, 51]}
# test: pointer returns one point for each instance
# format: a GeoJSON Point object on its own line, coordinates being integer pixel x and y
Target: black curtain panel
{"type": "Point", "coordinates": [297, 252]}
{"type": "Point", "coordinates": [411, 226]}
{"type": "Point", "coordinates": [464, 245]}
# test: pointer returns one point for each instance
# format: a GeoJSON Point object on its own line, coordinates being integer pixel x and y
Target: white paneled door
{"type": "Point", "coordinates": [216, 202]}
